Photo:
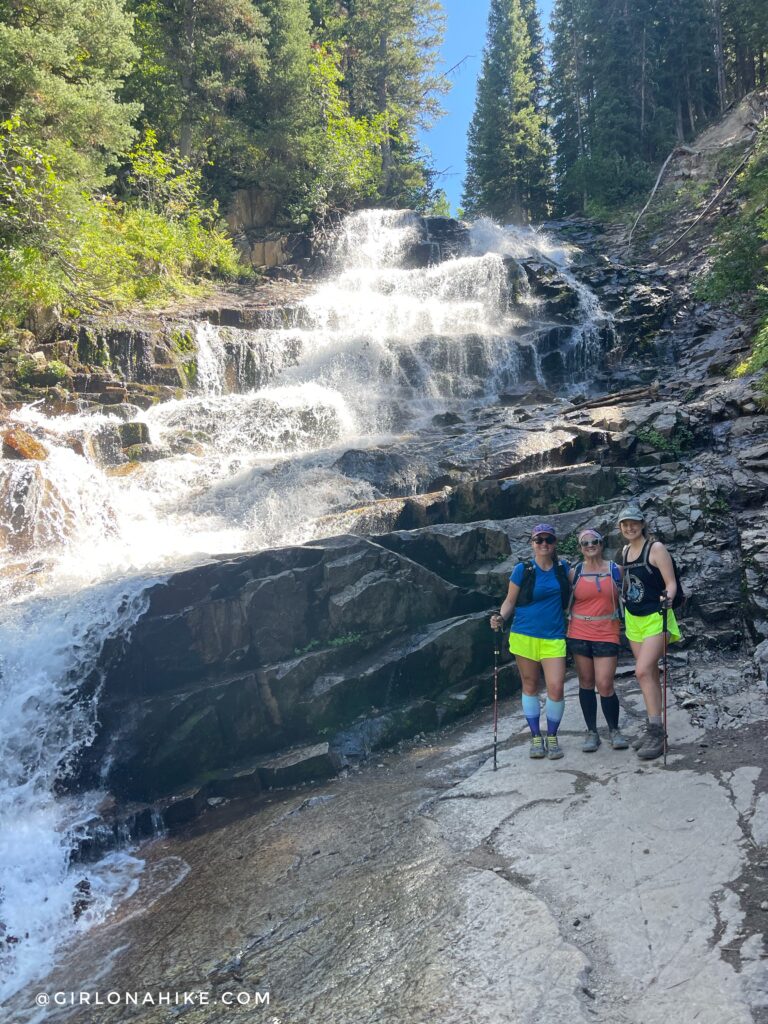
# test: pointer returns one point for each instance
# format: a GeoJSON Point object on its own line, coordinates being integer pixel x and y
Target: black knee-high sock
{"type": "Point", "coordinates": [611, 708]}
{"type": "Point", "coordinates": [588, 701]}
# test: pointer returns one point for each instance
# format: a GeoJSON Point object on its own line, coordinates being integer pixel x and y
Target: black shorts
{"type": "Point", "coordinates": [593, 648]}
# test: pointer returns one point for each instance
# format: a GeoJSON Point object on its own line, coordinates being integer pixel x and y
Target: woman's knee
{"type": "Point", "coordinates": [604, 678]}
{"type": "Point", "coordinates": [586, 673]}
{"type": "Point", "coordinates": [647, 675]}
{"type": "Point", "coordinates": [530, 682]}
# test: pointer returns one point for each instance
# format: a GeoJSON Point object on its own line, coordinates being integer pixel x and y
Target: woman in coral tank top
{"type": "Point", "coordinates": [593, 637]}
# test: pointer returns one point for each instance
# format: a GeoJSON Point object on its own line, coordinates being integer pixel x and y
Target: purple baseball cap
{"type": "Point", "coordinates": [543, 528]}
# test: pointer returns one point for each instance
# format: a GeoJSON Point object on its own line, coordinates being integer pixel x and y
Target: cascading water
{"type": "Point", "coordinates": [248, 461]}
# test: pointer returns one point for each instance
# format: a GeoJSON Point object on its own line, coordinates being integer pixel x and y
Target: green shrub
{"type": "Point", "coordinates": [57, 369]}
{"type": "Point", "coordinates": [739, 270]}
{"type": "Point", "coordinates": [679, 440]}
{"type": "Point", "coordinates": [63, 247]}
{"type": "Point", "coordinates": [567, 503]}
{"type": "Point", "coordinates": [25, 367]}
{"type": "Point", "coordinates": [345, 639]}
{"type": "Point", "coordinates": [569, 546]}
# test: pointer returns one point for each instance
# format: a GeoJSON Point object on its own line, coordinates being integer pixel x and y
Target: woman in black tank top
{"type": "Point", "coordinates": [648, 576]}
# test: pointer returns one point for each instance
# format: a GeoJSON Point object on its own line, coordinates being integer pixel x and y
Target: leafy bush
{"type": "Point", "coordinates": [30, 190]}
{"type": "Point", "coordinates": [57, 369]}
{"type": "Point", "coordinates": [739, 271]}
{"type": "Point", "coordinates": [164, 182]}
{"type": "Point", "coordinates": [76, 250]}
{"type": "Point", "coordinates": [567, 503]}
{"type": "Point", "coordinates": [569, 547]}
{"type": "Point", "coordinates": [678, 441]}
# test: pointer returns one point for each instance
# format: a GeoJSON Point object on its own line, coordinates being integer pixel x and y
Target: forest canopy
{"type": "Point", "coordinates": [626, 81]}
{"type": "Point", "coordinates": [125, 125]}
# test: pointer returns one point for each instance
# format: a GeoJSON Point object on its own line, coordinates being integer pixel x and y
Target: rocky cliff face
{"type": "Point", "coordinates": [361, 641]}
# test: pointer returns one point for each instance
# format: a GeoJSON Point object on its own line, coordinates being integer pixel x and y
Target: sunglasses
{"type": "Point", "coordinates": [590, 543]}
{"type": "Point", "coordinates": [544, 538]}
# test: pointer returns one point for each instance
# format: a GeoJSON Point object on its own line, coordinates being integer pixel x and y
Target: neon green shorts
{"type": "Point", "coordinates": [535, 648]}
{"type": "Point", "coordinates": [640, 627]}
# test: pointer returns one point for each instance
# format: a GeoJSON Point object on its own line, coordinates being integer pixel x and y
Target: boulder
{"type": "Point", "coordinates": [33, 512]}
{"type": "Point", "coordinates": [105, 446]}
{"type": "Point", "coordinates": [134, 433]}
{"type": "Point", "coordinates": [146, 452]}
{"type": "Point", "coordinates": [303, 765]}
{"type": "Point", "coordinates": [20, 444]}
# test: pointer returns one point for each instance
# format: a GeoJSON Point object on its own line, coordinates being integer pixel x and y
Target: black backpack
{"type": "Point", "coordinates": [679, 602]}
{"type": "Point", "coordinates": [529, 582]}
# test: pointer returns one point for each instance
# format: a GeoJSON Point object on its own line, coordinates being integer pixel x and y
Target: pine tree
{"type": "Point", "coordinates": [507, 157]}
{"type": "Point", "coordinates": [61, 70]}
{"type": "Point", "coordinates": [632, 80]}
{"type": "Point", "coordinates": [568, 98]}
{"type": "Point", "coordinates": [200, 59]}
{"type": "Point", "coordinates": [391, 52]}
{"type": "Point", "coordinates": [745, 44]}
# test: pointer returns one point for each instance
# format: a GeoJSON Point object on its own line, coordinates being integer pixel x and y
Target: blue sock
{"type": "Point", "coordinates": [532, 711]}
{"type": "Point", "coordinates": [554, 710]}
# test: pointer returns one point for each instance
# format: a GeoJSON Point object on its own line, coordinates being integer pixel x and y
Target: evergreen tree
{"type": "Point", "coordinates": [62, 65]}
{"type": "Point", "coordinates": [391, 49]}
{"type": "Point", "coordinates": [200, 59]}
{"type": "Point", "coordinates": [744, 26]}
{"type": "Point", "coordinates": [537, 62]}
{"type": "Point", "coordinates": [508, 150]}
{"type": "Point", "coordinates": [568, 97]}
{"type": "Point", "coordinates": [629, 81]}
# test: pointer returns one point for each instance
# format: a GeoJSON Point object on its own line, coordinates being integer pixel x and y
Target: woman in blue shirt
{"type": "Point", "coordinates": [536, 600]}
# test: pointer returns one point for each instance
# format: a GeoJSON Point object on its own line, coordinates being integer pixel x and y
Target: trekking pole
{"type": "Point", "coordinates": [664, 613]}
{"type": "Point", "coordinates": [496, 656]}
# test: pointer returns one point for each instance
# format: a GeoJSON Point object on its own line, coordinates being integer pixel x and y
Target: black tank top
{"type": "Point", "coordinates": [644, 583]}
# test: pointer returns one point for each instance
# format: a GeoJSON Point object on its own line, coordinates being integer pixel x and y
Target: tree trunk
{"type": "Point", "coordinates": [689, 102]}
{"type": "Point", "coordinates": [719, 55]}
{"type": "Point", "coordinates": [187, 77]}
{"type": "Point", "coordinates": [642, 93]}
{"type": "Point", "coordinates": [381, 103]}
{"type": "Point", "coordinates": [579, 121]}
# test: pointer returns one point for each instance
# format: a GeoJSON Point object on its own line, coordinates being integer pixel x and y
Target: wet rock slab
{"type": "Point", "coordinates": [427, 887]}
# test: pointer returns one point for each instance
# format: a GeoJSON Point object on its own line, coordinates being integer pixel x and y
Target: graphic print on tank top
{"type": "Point", "coordinates": [635, 589]}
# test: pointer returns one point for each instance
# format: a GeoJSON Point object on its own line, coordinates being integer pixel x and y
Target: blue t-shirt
{"type": "Point", "coordinates": [544, 617]}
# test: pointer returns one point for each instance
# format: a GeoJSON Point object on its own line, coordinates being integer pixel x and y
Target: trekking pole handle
{"type": "Point", "coordinates": [664, 599]}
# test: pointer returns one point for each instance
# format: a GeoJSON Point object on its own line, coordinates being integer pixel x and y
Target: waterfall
{"type": "Point", "coordinates": [249, 461]}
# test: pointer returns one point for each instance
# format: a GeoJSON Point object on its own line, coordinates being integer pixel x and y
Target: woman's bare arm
{"type": "Point", "coordinates": [660, 557]}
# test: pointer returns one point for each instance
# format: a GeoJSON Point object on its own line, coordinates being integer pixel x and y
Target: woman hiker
{"type": "Point", "coordinates": [593, 637]}
{"type": "Point", "coordinates": [649, 582]}
{"type": "Point", "coordinates": [538, 594]}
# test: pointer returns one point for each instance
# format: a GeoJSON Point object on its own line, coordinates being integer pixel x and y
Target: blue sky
{"type": "Point", "coordinates": [464, 37]}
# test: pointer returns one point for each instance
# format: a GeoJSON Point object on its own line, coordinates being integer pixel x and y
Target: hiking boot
{"type": "Point", "coordinates": [639, 740]}
{"type": "Point", "coordinates": [554, 753]}
{"type": "Point", "coordinates": [618, 741]}
{"type": "Point", "coordinates": [653, 745]}
{"type": "Point", "coordinates": [591, 742]}
{"type": "Point", "coordinates": [537, 747]}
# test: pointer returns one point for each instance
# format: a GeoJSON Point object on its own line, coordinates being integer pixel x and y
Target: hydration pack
{"type": "Point", "coordinates": [615, 575]}
{"type": "Point", "coordinates": [678, 604]}
{"type": "Point", "coordinates": [529, 582]}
